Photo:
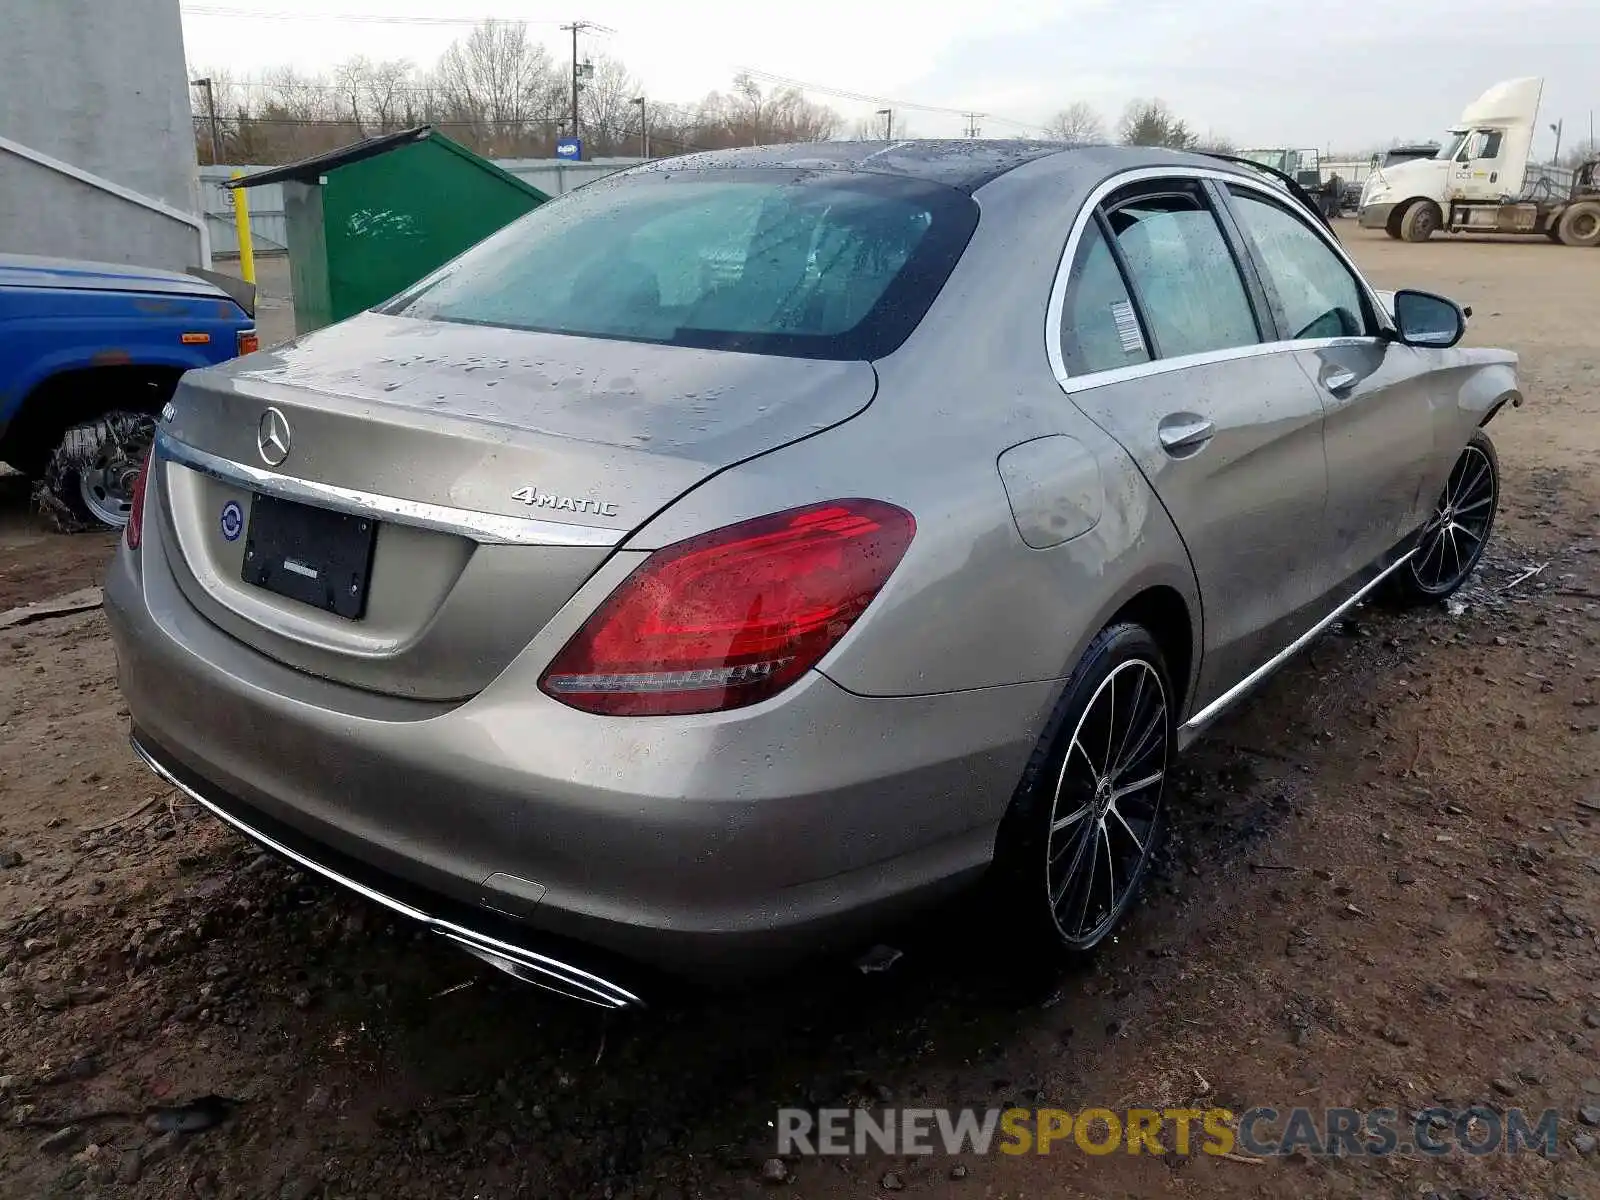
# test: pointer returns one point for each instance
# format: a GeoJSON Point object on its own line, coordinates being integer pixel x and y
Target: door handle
{"type": "Point", "coordinates": [1183, 434]}
{"type": "Point", "coordinates": [1339, 379]}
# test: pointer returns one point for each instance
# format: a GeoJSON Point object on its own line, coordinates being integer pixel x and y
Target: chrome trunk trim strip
{"type": "Point", "coordinates": [540, 970]}
{"type": "Point", "coordinates": [488, 528]}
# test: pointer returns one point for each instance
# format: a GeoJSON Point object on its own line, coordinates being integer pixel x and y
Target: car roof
{"type": "Point", "coordinates": [964, 164]}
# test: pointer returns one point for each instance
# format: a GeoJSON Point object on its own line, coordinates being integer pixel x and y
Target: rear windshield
{"type": "Point", "coordinates": [804, 263]}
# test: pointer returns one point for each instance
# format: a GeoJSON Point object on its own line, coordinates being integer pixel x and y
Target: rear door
{"type": "Point", "coordinates": [1164, 344]}
{"type": "Point", "coordinates": [1377, 393]}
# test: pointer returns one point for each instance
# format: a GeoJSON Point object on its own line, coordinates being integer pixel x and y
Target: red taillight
{"type": "Point", "coordinates": [249, 341]}
{"type": "Point", "coordinates": [135, 533]}
{"type": "Point", "coordinates": [731, 617]}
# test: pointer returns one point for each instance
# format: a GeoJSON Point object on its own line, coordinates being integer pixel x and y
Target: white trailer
{"type": "Point", "coordinates": [1481, 180]}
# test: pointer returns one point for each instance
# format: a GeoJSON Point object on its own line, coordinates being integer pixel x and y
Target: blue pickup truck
{"type": "Point", "coordinates": [89, 354]}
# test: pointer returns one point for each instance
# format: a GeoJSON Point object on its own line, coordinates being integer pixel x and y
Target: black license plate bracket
{"type": "Point", "coordinates": [314, 555]}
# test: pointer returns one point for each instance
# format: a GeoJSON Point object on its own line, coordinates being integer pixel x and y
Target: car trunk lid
{"type": "Point", "coordinates": [497, 470]}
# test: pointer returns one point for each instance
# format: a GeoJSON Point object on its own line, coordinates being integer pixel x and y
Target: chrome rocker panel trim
{"type": "Point", "coordinates": [1191, 728]}
{"type": "Point", "coordinates": [525, 965]}
{"type": "Point", "coordinates": [483, 527]}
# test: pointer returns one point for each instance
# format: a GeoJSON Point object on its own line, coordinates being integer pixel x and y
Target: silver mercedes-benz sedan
{"type": "Point", "coordinates": [748, 548]}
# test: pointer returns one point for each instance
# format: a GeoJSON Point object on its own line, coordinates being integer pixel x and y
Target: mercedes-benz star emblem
{"type": "Point", "coordinates": [272, 437]}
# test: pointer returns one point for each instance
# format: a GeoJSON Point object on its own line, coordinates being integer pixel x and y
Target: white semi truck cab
{"type": "Point", "coordinates": [1480, 180]}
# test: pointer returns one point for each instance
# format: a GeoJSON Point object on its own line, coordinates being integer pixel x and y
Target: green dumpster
{"type": "Point", "coordinates": [367, 221]}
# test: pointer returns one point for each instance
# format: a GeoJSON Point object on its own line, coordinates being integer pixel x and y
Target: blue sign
{"type": "Point", "coordinates": [569, 147]}
{"type": "Point", "coordinates": [232, 521]}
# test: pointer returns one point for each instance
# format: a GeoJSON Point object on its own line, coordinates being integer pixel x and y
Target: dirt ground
{"type": "Point", "coordinates": [1380, 891]}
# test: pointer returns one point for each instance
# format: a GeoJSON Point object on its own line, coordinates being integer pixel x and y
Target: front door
{"type": "Point", "coordinates": [1480, 163]}
{"type": "Point", "coordinates": [1380, 421]}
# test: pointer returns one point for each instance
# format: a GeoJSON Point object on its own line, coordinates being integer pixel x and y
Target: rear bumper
{"type": "Point", "coordinates": [1375, 216]}
{"type": "Point", "coordinates": [712, 846]}
{"type": "Point", "coordinates": [477, 931]}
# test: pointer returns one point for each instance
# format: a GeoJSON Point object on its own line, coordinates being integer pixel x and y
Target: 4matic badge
{"type": "Point", "coordinates": [534, 498]}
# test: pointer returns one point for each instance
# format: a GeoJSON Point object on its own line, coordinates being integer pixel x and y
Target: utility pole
{"type": "Point", "coordinates": [211, 108]}
{"type": "Point", "coordinates": [580, 71]}
{"type": "Point", "coordinates": [973, 129]}
{"type": "Point", "coordinates": [1555, 159]}
{"type": "Point", "coordinates": [888, 123]}
{"type": "Point", "coordinates": [644, 127]}
{"type": "Point", "coordinates": [575, 28]}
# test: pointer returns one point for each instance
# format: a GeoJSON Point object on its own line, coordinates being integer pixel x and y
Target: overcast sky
{"type": "Point", "coordinates": [1260, 72]}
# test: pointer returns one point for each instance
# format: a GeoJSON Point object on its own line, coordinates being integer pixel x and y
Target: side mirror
{"type": "Point", "coordinates": [1424, 319]}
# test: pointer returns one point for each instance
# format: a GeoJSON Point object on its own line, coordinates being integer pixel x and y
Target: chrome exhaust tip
{"type": "Point", "coordinates": [524, 965]}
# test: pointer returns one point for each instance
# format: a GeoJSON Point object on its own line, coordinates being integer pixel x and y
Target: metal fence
{"type": "Point", "coordinates": [269, 231]}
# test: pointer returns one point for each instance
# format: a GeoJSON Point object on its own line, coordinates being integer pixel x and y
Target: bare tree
{"type": "Point", "coordinates": [1215, 143]}
{"type": "Point", "coordinates": [1152, 123]}
{"type": "Point", "coordinates": [350, 77]}
{"type": "Point", "coordinates": [876, 127]}
{"type": "Point", "coordinates": [498, 82]}
{"type": "Point", "coordinates": [500, 93]}
{"type": "Point", "coordinates": [749, 116]}
{"type": "Point", "coordinates": [392, 94]}
{"type": "Point", "coordinates": [1581, 153]}
{"type": "Point", "coordinates": [610, 117]}
{"type": "Point", "coordinates": [1077, 122]}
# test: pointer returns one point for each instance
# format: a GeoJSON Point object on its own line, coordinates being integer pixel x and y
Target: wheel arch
{"type": "Point", "coordinates": [73, 394]}
{"type": "Point", "coordinates": [1510, 396]}
{"type": "Point", "coordinates": [1165, 600]}
{"type": "Point", "coordinates": [1487, 389]}
{"type": "Point", "coordinates": [1163, 611]}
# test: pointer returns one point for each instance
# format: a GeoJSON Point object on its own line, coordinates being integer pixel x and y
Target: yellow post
{"type": "Point", "coordinates": [241, 220]}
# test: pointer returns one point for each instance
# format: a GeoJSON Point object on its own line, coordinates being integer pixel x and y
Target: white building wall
{"type": "Point", "coordinates": [100, 85]}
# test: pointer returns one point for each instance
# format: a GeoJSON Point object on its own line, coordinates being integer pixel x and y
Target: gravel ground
{"type": "Point", "coordinates": [1380, 891]}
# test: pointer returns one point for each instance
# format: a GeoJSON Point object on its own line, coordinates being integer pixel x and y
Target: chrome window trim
{"type": "Point", "coordinates": [482, 527]}
{"type": "Point", "coordinates": [1058, 290]}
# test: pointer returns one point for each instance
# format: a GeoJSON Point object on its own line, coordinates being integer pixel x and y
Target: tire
{"type": "Point", "coordinates": [87, 482]}
{"type": "Point", "coordinates": [1122, 676]}
{"type": "Point", "coordinates": [1421, 222]}
{"type": "Point", "coordinates": [1452, 542]}
{"type": "Point", "coordinates": [27, 458]}
{"type": "Point", "coordinates": [1580, 224]}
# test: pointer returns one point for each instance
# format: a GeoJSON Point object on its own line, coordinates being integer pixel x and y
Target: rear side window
{"type": "Point", "coordinates": [1313, 293]}
{"type": "Point", "coordinates": [1099, 325]}
{"type": "Point", "coordinates": [803, 263]}
{"type": "Point", "coordinates": [1183, 273]}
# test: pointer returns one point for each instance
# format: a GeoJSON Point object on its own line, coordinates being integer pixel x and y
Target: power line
{"type": "Point", "coordinates": [887, 101]}
{"type": "Point", "coordinates": [251, 14]}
